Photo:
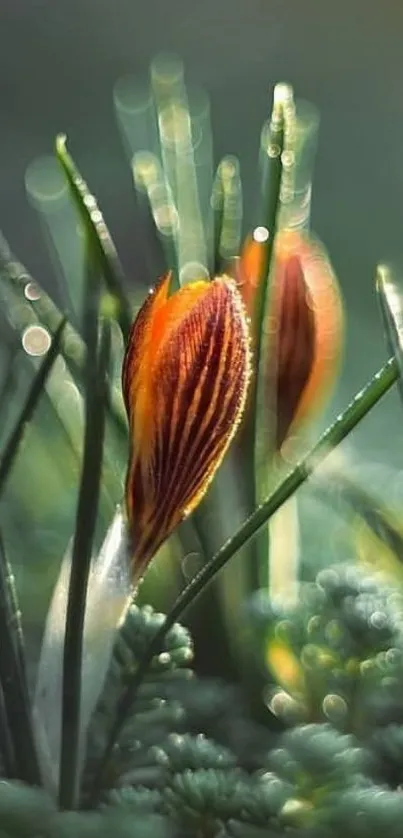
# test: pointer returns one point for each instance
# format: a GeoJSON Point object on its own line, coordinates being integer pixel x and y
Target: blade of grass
{"type": "Point", "coordinates": [97, 360]}
{"type": "Point", "coordinates": [18, 719]}
{"type": "Point", "coordinates": [363, 402]}
{"type": "Point", "coordinates": [216, 222]}
{"type": "Point", "coordinates": [391, 305]}
{"type": "Point", "coordinates": [257, 429]}
{"type": "Point", "coordinates": [226, 215]}
{"type": "Point", "coordinates": [80, 567]}
{"type": "Point", "coordinates": [11, 448]}
{"type": "Point", "coordinates": [98, 236]}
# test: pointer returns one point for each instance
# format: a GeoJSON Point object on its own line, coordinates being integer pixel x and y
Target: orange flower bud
{"type": "Point", "coordinates": [305, 320]}
{"type": "Point", "coordinates": [185, 378]}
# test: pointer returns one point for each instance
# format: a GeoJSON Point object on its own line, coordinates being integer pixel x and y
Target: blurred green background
{"type": "Point", "coordinates": [58, 65]}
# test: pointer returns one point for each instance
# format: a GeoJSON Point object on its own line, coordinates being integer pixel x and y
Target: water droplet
{"type": "Point", "coordinates": [273, 150]}
{"type": "Point", "coordinates": [36, 340]}
{"type": "Point", "coordinates": [32, 291]}
{"type": "Point", "coordinates": [96, 216]}
{"type": "Point", "coordinates": [90, 202]}
{"type": "Point", "coordinates": [260, 234]}
{"type": "Point", "coordinates": [164, 658]}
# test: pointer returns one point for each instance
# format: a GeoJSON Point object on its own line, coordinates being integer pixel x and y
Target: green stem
{"type": "Point", "coordinates": [80, 567]}
{"type": "Point", "coordinates": [363, 402]}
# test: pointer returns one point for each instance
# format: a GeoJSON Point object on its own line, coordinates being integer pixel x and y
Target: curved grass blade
{"type": "Point", "coordinates": [360, 406]}
{"type": "Point", "coordinates": [98, 236]}
{"type": "Point", "coordinates": [34, 394]}
{"type": "Point", "coordinates": [390, 297]}
{"type": "Point", "coordinates": [18, 720]}
{"type": "Point", "coordinates": [96, 393]}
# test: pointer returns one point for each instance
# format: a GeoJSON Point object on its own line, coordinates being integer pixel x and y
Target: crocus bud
{"type": "Point", "coordinates": [305, 321]}
{"type": "Point", "coordinates": [185, 378]}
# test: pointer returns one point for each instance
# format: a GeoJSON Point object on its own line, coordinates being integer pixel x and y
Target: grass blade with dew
{"type": "Point", "coordinates": [175, 126]}
{"type": "Point", "coordinates": [154, 198]}
{"type": "Point", "coordinates": [16, 701]}
{"type": "Point", "coordinates": [97, 362]}
{"type": "Point", "coordinates": [96, 379]}
{"type": "Point", "coordinates": [226, 215]}
{"type": "Point", "coordinates": [298, 164]}
{"type": "Point", "coordinates": [172, 106]}
{"type": "Point", "coordinates": [98, 236]}
{"type": "Point", "coordinates": [358, 408]}
{"type": "Point", "coordinates": [390, 297]}
{"type": "Point", "coordinates": [258, 431]}
{"type": "Point", "coordinates": [168, 87]}
{"type": "Point", "coordinates": [48, 193]}
{"type": "Point", "coordinates": [11, 448]}
{"type": "Point", "coordinates": [216, 222]}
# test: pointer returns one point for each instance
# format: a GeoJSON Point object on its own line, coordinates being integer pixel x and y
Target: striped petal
{"type": "Point", "coordinates": [306, 320]}
{"type": "Point", "coordinates": [185, 378]}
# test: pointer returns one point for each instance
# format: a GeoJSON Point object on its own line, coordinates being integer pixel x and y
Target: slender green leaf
{"type": "Point", "coordinates": [257, 432]}
{"type": "Point", "coordinates": [87, 508]}
{"type": "Point", "coordinates": [216, 222]}
{"type": "Point", "coordinates": [390, 296]}
{"type": "Point", "coordinates": [11, 448]}
{"type": "Point", "coordinates": [98, 236]}
{"type": "Point", "coordinates": [226, 215]}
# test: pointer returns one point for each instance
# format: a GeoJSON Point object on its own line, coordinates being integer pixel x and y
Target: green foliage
{"type": "Point", "coordinates": [169, 754]}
